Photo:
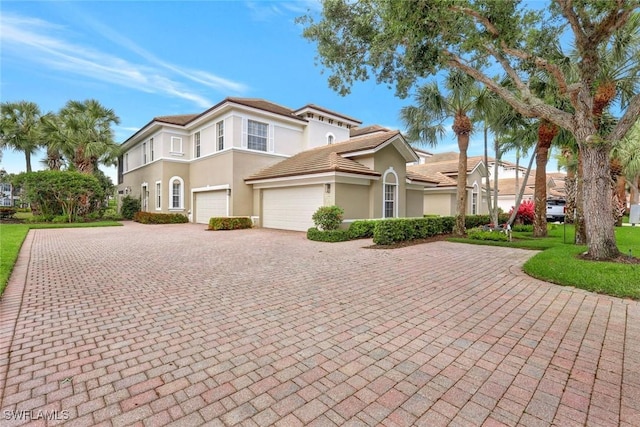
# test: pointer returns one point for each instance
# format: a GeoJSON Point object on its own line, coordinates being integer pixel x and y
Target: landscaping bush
{"type": "Point", "coordinates": [230, 223]}
{"type": "Point", "coordinates": [526, 213]}
{"type": "Point", "coordinates": [480, 234]}
{"type": "Point", "coordinates": [523, 228]}
{"type": "Point", "coordinates": [111, 214]}
{"type": "Point", "coordinates": [327, 235]}
{"type": "Point", "coordinates": [328, 217]}
{"type": "Point", "coordinates": [361, 229]}
{"type": "Point", "coordinates": [387, 232]}
{"type": "Point", "coordinates": [130, 206]}
{"type": "Point", "coordinates": [6, 213]}
{"type": "Point", "coordinates": [159, 218]}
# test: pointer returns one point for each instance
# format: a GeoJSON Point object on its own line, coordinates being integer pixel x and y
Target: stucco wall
{"type": "Point", "coordinates": [415, 201]}
{"type": "Point", "coordinates": [354, 199]}
{"type": "Point", "coordinates": [439, 204]}
{"type": "Point", "coordinates": [244, 165]}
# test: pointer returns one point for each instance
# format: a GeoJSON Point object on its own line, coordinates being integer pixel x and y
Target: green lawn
{"type": "Point", "coordinates": [559, 263]}
{"type": "Point", "coordinates": [12, 236]}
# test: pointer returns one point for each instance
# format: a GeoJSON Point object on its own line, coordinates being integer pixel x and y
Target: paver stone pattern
{"type": "Point", "coordinates": [171, 325]}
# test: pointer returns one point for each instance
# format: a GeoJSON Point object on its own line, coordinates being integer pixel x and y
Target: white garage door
{"type": "Point", "coordinates": [210, 204]}
{"type": "Point", "coordinates": [291, 208]}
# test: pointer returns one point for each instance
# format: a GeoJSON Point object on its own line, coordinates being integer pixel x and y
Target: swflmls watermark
{"type": "Point", "coordinates": [52, 415]}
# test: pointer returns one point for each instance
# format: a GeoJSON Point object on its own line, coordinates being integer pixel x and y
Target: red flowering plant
{"type": "Point", "coordinates": [526, 213]}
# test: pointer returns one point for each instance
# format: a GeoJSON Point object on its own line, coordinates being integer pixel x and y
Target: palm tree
{"type": "Point", "coordinates": [19, 128]}
{"type": "Point", "coordinates": [425, 124]}
{"type": "Point", "coordinates": [82, 132]}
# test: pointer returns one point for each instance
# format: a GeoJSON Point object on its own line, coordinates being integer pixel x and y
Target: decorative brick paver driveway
{"type": "Point", "coordinates": [156, 325]}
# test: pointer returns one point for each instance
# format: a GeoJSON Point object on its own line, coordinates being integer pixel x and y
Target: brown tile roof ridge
{"type": "Point", "coordinates": [326, 110]}
{"type": "Point", "coordinates": [178, 119]}
{"type": "Point", "coordinates": [359, 131]}
{"type": "Point", "coordinates": [326, 158]}
{"type": "Point", "coordinates": [413, 176]}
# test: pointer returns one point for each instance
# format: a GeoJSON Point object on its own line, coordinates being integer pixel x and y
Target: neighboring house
{"type": "Point", "coordinates": [6, 194]}
{"type": "Point", "coordinates": [509, 187]}
{"type": "Point", "coordinates": [251, 157]}
{"type": "Point", "coordinates": [443, 168]}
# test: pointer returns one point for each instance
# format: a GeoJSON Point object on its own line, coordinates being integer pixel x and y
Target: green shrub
{"type": "Point", "coordinates": [480, 234]}
{"type": "Point", "coordinates": [111, 215]}
{"type": "Point", "coordinates": [389, 231]}
{"type": "Point", "coordinates": [130, 206]}
{"type": "Point", "coordinates": [59, 219]}
{"type": "Point", "coordinates": [6, 212]}
{"type": "Point", "coordinates": [327, 235]}
{"type": "Point", "coordinates": [230, 223]}
{"type": "Point", "coordinates": [361, 229]}
{"type": "Point", "coordinates": [523, 228]}
{"type": "Point", "coordinates": [328, 217]}
{"type": "Point", "coordinates": [159, 218]}
{"type": "Point", "coordinates": [473, 221]}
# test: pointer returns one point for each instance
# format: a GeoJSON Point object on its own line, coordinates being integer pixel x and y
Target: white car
{"type": "Point", "coordinates": [555, 209]}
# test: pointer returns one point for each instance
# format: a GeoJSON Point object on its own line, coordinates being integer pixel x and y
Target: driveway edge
{"type": "Point", "coordinates": [10, 305]}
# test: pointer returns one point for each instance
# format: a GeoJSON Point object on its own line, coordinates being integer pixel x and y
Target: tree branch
{"type": "Point", "coordinates": [567, 10]}
{"type": "Point", "coordinates": [482, 19]}
{"type": "Point", "coordinates": [627, 121]}
{"type": "Point", "coordinates": [542, 63]}
{"type": "Point", "coordinates": [533, 107]}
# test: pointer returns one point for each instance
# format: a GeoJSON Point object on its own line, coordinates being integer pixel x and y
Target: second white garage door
{"type": "Point", "coordinates": [291, 208]}
{"type": "Point", "coordinates": [210, 204]}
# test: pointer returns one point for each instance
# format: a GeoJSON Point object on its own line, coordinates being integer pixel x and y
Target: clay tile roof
{"type": "Point", "coordinates": [181, 119]}
{"type": "Point", "coordinates": [265, 105]}
{"type": "Point", "coordinates": [327, 158]}
{"type": "Point", "coordinates": [434, 173]}
{"type": "Point", "coordinates": [366, 130]}
{"type": "Point", "coordinates": [413, 176]}
{"type": "Point", "coordinates": [447, 163]}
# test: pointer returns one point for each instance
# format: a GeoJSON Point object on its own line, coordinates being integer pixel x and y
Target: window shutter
{"type": "Point", "coordinates": [271, 144]}
{"type": "Point", "coordinates": [245, 136]}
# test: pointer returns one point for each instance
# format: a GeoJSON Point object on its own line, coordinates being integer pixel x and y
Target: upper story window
{"type": "Point", "coordinates": [151, 148]}
{"type": "Point", "coordinates": [196, 145]}
{"type": "Point", "coordinates": [220, 135]}
{"type": "Point", "coordinates": [257, 134]}
{"type": "Point", "coordinates": [144, 153]}
{"type": "Point", "coordinates": [126, 162]}
{"type": "Point", "coordinates": [176, 145]}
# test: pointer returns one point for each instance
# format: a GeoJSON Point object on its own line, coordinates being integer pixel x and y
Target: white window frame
{"type": "Point", "coordinates": [158, 195]}
{"type": "Point", "coordinates": [144, 197]}
{"type": "Point", "coordinates": [176, 140]}
{"type": "Point", "coordinates": [220, 135]}
{"type": "Point", "coordinates": [395, 186]}
{"type": "Point", "coordinates": [144, 153]}
{"type": "Point", "coordinates": [172, 194]}
{"type": "Point", "coordinates": [474, 199]}
{"type": "Point", "coordinates": [196, 145]}
{"type": "Point", "coordinates": [151, 149]}
{"type": "Point", "coordinates": [265, 137]}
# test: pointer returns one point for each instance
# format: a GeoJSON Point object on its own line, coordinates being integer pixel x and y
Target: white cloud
{"type": "Point", "coordinates": [48, 44]}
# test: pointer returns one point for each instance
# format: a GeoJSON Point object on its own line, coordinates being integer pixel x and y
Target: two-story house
{"type": "Point", "coordinates": [251, 157]}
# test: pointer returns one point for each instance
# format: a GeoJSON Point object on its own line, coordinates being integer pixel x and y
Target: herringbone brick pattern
{"type": "Point", "coordinates": [171, 325]}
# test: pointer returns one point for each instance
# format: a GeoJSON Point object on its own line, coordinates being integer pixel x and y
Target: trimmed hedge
{"type": "Point", "coordinates": [6, 212]}
{"type": "Point", "coordinates": [361, 229]}
{"type": "Point", "coordinates": [391, 231]}
{"type": "Point", "coordinates": [159, 218]}
{"type": "Point", "coordinates": [331, 236]}
{"type": "Point", "coordinates": [230, 223]}
{"type": "Point", "coordinates": [328, 217]}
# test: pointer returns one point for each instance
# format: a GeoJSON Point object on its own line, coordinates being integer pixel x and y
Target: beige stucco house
{"type": "Point", "coordinates": [443, 168]}
{"type": "Point", "coordinates": [251, 157]}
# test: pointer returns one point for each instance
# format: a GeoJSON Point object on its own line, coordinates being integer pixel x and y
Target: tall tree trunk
{"type": "Point", "coordinates": [461, 190]}
{"type": "Point", "coordinates": [27, 157]}
{"type": "Point", "coordinates": [634, 190]}
{"type": "Point", "coordinates": [597, 192]}
{"type": "Point", "coordinates": [487, 173]}
{"type": "Point", "coordinates": [496, 166]}
{"type": "Point", "coordinates": [580, 229]}
{"type": "Point", "coordinates": [569, 186]}
{"type": "Point", "coordinates": [546, 133]}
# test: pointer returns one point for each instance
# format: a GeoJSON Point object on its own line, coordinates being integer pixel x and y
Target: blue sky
{"type": "Point", "coordinates": [151, 58]}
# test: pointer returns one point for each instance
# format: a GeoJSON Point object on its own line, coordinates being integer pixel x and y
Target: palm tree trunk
{"type": "Point", "coordinates": [546, 133]}
{"type": "Point", "coordinates": [27, 157]}
{"type": "Point", "coordinates": [486, 174]}
{"type": "Point", "coordinates": [634, 186]}
{"type": "Point", "coordinates": [581, 231]}
{"type": "Point", "coordinates": [461, 190]}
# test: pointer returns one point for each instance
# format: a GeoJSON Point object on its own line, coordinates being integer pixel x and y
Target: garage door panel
{"type": "Point", "coordinates": [210, 204]}
{"type": "Point", "coordinates": [291, 208]}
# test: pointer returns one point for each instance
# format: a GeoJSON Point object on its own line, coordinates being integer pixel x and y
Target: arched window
{"type": "Point", "coordinates": [176, 193]}
{"type": "Point", "coordinates": [474, 199]}
{"type": "Point", "coordinates": [390, 194]}
{"type": "Point", "coordinates": [330, 138]}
